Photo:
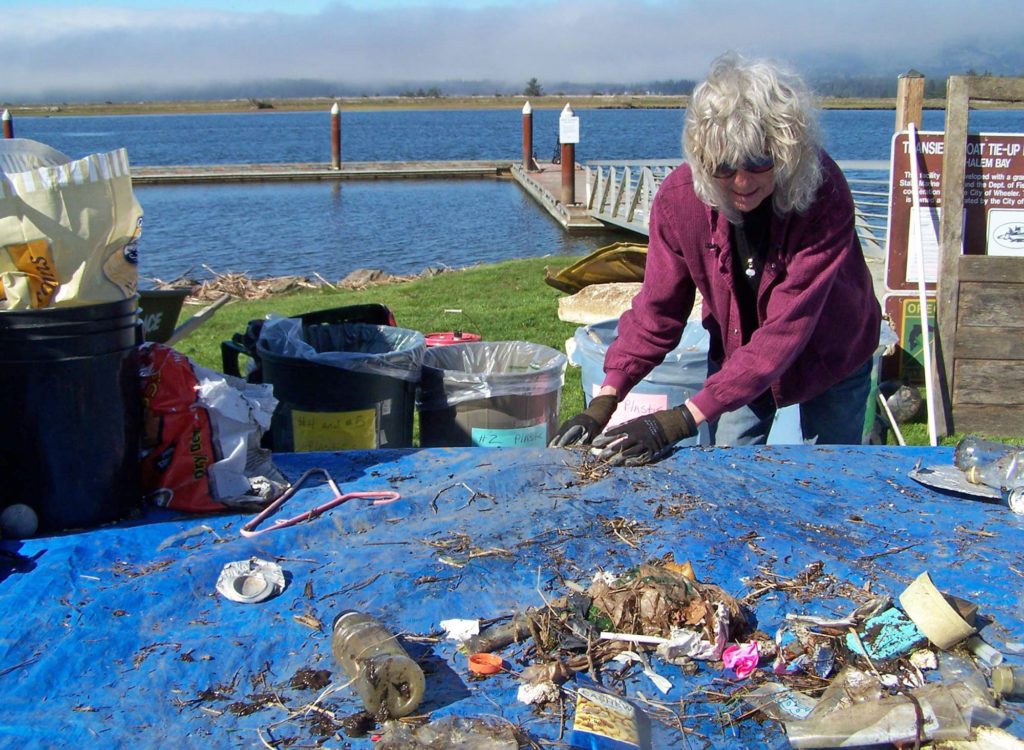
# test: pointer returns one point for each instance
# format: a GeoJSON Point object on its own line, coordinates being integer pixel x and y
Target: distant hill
{"type": "Point", "coordinates": [828, 80]}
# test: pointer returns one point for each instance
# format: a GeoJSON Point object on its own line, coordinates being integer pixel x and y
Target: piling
{"type": "Point", "coordinates": [335, 136]}
{"type": "Point", "coordinates": [568, 137]}
{"type": "Point", "coordinates": [8, 124]}
{"type": "Point", "coordinates": [529, 163]}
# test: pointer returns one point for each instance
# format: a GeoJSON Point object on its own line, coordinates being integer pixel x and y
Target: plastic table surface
{"type": "Point", "coordinates": [116, 636]}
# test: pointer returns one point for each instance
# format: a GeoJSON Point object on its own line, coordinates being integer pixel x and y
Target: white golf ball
{"type": "Point", "coordinates": [18, 521]}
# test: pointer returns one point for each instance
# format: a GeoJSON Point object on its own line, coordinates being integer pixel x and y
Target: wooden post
{"type": "Point", "coordinates": [529, 164]}
{"type": "Point", "coordinates": [568, 173]}
{"type": "Point", "coordinates": [8, 125]}
{"type": "Point", "coordinates": [568, 137]}
{"type": "Point", "coordinates": [335, 136]}
{"type": "Point", "coordinates": [909, 100]}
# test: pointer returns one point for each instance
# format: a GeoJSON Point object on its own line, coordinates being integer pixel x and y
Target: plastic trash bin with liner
{"type": "Point", "coordinates": [491, 394]}
{"type": "Point", "coordinates": [244, 344]}
{"type": "Point", "coordinates": [340, 385]}
{"type": "Point", "coordinates": [678, 377]}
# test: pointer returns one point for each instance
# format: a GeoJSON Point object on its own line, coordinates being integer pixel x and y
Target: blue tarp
{"type": "Point", "coordinates": [117, 637]}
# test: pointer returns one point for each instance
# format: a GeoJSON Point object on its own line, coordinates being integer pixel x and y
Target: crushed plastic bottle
{"type": "Point", "coordinates": [990, 463]}
{"type": "Point", "coordinates": [996, 465]}
{"type": "Point", "coordinates": [390, 683]}
{"type": "Point", "coordinates": [450, 733]}
{"type": "Point", "coordinates": [857, 713]}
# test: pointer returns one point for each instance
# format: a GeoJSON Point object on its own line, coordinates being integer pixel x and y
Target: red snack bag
{"type": "Point", "coordinates": [177, 442]}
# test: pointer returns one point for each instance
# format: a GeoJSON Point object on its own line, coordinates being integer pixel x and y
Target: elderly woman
{"type": "Point", "coordinates": [761, 221]}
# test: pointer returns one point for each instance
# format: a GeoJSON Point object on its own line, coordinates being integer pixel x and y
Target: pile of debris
{"type": "Point", "coordinates": [239, 285]}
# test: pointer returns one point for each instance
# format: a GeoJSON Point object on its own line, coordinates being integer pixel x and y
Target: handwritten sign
{"type": "Point", "coordinates": [534, 436]}
{"type": "Point", "coordinates": [635, 405]}
{"type": "Point", "coordinates": [334, 430]}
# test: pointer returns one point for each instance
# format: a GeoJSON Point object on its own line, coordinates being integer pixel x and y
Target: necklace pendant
{"type": "Point", "coordinates": [750, 272]}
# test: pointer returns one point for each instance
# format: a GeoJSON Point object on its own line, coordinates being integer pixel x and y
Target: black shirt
{"type": "Point", "coordinates": [749, 248]}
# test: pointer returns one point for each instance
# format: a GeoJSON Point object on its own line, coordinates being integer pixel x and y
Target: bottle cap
{"type": "Point", "coordinates": [484, 663]}
{"type": "Point", "coordinates": [1002, 680]}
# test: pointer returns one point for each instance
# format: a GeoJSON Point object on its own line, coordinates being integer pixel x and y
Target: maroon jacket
{"type": "Point", "coordinates": [818, 315]}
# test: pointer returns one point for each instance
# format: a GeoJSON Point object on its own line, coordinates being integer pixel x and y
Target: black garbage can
{"type": "Point", "coordinates": [72, 414]}
{"type": "Point", "coordinates": [340, 385]}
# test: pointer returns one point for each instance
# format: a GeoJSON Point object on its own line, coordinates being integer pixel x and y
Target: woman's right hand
{"type": "Point", "coordinates": [585, 426]}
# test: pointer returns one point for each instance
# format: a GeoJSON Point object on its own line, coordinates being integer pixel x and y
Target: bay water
{"type": "Point", "coordinates": [399, 226]}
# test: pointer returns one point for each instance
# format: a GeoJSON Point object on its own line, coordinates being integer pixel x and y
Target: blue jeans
{"type": "Point", "coordinates": [835, 417]}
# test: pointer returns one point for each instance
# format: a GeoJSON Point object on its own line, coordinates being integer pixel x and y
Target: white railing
{"type": "Point", "coordinates": [619, 193]}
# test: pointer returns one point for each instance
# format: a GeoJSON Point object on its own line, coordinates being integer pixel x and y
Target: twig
{"type": "Point", "coordinates": [325, 281]}
{"type": "Point", "coordinates": [891, 551]}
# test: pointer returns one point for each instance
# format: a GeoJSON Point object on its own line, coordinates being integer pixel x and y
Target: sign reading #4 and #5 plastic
{"type": "Point", "coordinates": [993, 203]}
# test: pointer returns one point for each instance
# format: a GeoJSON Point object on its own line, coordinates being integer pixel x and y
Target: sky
{"type": "Point", "coordinates": [62, 46]}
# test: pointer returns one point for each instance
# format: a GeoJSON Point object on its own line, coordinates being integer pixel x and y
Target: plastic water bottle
{"type": "Point", "coordinates": [986, 462]}
{"type": "Point", "coordinates": [389, 682]}
{"type": "Point", "coordinates": [995, 465]}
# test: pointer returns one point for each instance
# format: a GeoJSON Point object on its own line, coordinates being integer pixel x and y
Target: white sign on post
{"type": "Point", "coordinates": [568, 129]}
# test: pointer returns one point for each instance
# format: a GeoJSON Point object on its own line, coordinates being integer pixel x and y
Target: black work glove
{"type": "Point", "coordinates": [645, 439]}
{"type": "Point", "coordinates": [586, 425]}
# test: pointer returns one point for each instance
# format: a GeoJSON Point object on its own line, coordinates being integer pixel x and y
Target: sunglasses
{"type": "Point", "coordinates": [759, 165]}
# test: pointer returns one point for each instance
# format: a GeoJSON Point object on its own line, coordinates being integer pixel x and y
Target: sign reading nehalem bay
{"type": "Point", "coordinates": [993, 204]}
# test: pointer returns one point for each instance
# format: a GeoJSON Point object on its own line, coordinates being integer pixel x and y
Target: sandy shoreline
{"type": "Point", "coordinates": [394, 102]}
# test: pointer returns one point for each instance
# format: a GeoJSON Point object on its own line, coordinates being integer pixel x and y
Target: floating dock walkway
{"type": "Point", "coordinates": [355, 170]}
{"type": "Point", "coordinates": [543, 185]}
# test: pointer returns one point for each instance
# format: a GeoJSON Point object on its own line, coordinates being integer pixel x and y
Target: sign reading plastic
{"type": "Point", "coordinates": [635, 405]}
{"type": "Point", "coordinates": [535, 436]}
{"type": "Point", "coordinates": [334, 430]}
{"type": "Point", "coordinates": [993, 203]}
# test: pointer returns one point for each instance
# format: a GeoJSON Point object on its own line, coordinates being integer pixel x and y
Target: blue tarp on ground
{"type": "Point", "coordinates": [116, 636]}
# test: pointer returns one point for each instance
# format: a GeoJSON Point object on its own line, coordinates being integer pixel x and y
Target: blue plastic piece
{"type": "Point", "coordinates": [886, 636]}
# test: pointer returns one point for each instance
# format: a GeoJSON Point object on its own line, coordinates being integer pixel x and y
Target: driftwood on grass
{"type": "Point", "coordinates": [239, 285]}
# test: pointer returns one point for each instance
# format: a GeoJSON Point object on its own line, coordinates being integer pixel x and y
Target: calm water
{"type": "Point", "coordinates": [399, 226]}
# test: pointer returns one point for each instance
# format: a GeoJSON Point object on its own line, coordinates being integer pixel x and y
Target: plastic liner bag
{"type": "Point", "coordinates": [488, 369]}
{"type": "Point", "coordinates": [357, 347]}
{"type": "Point", "coordinates": [68, 231]}
{"type": "Point", "coordinates": [201, 436]}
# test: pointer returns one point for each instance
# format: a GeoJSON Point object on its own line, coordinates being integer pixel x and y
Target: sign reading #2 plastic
{"type": "Point", "coordinates": [535, 436]}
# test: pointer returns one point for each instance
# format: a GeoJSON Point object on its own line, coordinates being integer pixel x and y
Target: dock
{"type": "Point", "coordinates": [543, 185]}
{"type": "Point", "coordinates": [284, 172]}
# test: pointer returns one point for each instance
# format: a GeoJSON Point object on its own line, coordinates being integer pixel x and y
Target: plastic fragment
{"type": "Point", "coordinates": [627, 657]}
{"type": "Point", "coordinates": [251, 581]}
{"type": "Point", "coordinates": [742, 658]}
{"type": "Point", "coordinates": [886, 636]}
{"type": "Point", "coordinates": [460, 630]}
